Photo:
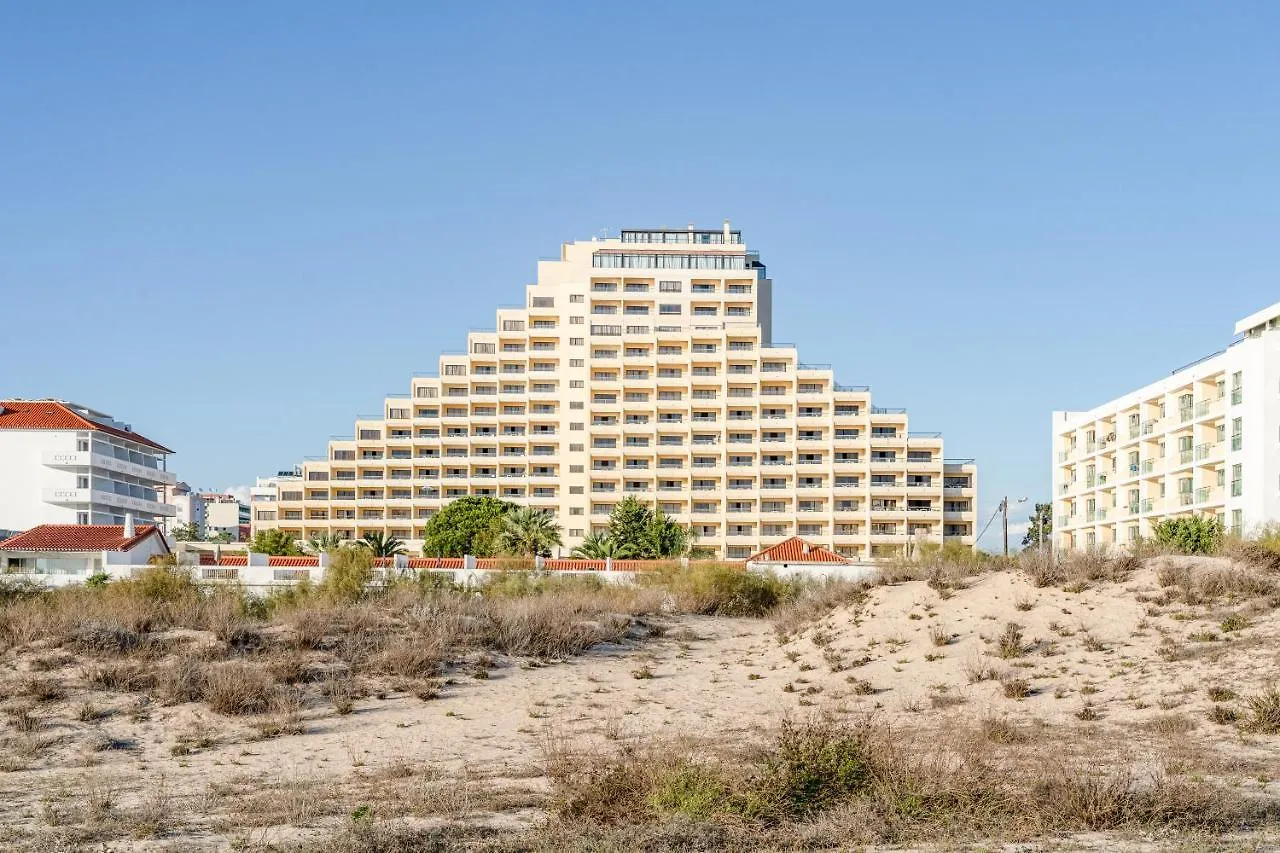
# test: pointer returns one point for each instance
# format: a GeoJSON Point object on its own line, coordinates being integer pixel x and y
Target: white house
{"type": "Point", "coordinates": [795, 557]}
{"type": "Point", "coordinates": [63, 463]}
{"type": "Point", "coordinates": [60, 554]}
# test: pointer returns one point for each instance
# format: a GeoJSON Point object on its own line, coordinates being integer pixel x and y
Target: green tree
{"type": "Point", "coordinates": [1193, 534]}
{"type": "Point", "coordinates": [529, 532]}
{"type": "Point", "coordinates": [221, 536]}
{"type": "Point", "coordinates": [277, 543]}
{"type": "Point", "coordinates": [1040, 528]}
{"type": "Point", "coordinates": [600, 546]}
{"type": "Point", "coordinates": [321, 542]}
{"type": "Point", "coordinates": [380, 544]}
{"type": "Point", "coordinates": [630, 525]}
{"type": "Point", "coordinates": [469, 525]}
{"type": "Point", "coordinates": [666, 538]}
{"type": "Point", "coordinates": [188, 532]}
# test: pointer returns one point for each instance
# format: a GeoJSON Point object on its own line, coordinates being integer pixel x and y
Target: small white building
{"type": "Point", "coordinates": [60, 554]}
{"type": "Point", "coordinates": [795, 557]}
{"type": "Point", "coordinates": [63, 463]}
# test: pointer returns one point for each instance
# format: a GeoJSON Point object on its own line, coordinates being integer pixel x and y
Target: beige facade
{"type": "Point", "coordinates": [641, 365]}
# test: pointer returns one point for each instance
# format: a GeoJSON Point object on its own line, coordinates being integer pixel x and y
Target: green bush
{"type": "Point", "coordinates": [1190, 535]}
{"type": "Point", "coordinates": [348, 575]}
{"type": "Point", "coordinates": [720, 589]}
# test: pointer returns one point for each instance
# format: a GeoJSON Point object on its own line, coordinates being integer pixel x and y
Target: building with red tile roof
{"type": "Point", "coordinates": [796, 550]}
{"type": "Point", "coordinates": [69, 553]}
{"type": "Point", "coordinates": [65, 463]}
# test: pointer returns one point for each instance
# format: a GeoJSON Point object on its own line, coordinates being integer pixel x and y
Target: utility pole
{"type": "Point", "coordinates": [1004, 511]}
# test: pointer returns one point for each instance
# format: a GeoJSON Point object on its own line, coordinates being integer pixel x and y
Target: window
{"type": "Point", "coordinates": [669, 287]}
{"type": "Point", "coordinates": [1237, 388]}
{"type": "Point", "coordinates": [577, 362]}
{"type": "Point", "coordinates": [575, 342]}
{"type": "Point", "coordinates": [669, 309]}
{"type": "Point", "coordinates": [82, 482]}
{"type": "Point", "coordinates": [575, 383]}
{"type": "Point", "coordinates": [83, 517]}
{"type": "Point", "coordinates": [1237, 480]}
{"type": "Point", "coordinates": [370, 434]}
{"type": "Point", "coordinates": [576, 321]}
{"type": "Point", "coordinates": [82, 445]}
{"type": "Point", "coordinates": [576, 297]}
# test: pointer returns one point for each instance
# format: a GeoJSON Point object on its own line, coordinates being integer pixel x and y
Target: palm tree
{"type": "Point", "coordinates": [529, 532]}
{"type": "Point", "coordinates": [600, 546]}
{"type": "Point", "coordinates": [381, 544]}
{"type": "Point", "coordinates": [322, 542]}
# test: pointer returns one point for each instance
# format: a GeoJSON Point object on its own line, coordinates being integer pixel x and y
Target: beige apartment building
{"type": "Point", "coordinates": [641, 364]}
{"type": "Point", "coordinates": [1200, 441]}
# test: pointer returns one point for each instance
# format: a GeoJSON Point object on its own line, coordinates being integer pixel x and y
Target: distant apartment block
{"type": "Point", "coordinates": [63, 463]}
{"type": "Point", "coordinates": [225, 515]}
{"type": "Point", "coordinates": [642, 364]}
{"type": "Point", "coordinates": [1204, 440]}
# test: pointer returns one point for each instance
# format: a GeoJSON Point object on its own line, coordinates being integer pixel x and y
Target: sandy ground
{"type": "Point", "coordinates": [918, 651]}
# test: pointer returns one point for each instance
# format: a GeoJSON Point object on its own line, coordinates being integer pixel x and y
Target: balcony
{"type": "Point", "coordinates": [80, 497]}
{"type": "Point", "coordinates": [87, 459]}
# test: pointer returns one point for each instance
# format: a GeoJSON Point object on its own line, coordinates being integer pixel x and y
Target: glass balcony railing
{"type": "Point", "coordinates": [1237, 395]}
{"type": "Point", "coordinates": [1237, 442]}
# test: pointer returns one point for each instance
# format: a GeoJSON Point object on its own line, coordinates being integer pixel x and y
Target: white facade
{"type": "Point", "coordinates": [224, 514]}
{"type": "Point", "coordinates": [59, 465]}
{"type": "Point", "coordinates": [188, 509]}
{"type": "Point", "coordinates": [1204, 440]}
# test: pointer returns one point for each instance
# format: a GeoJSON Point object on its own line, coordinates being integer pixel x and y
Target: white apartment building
{"type": "Point", "coordinates": [1204, 440]}
{"type": "Point", "coordinates": [63, 463]}
{"type": "Point", "coordinates": [224, 514]}
{"type": "Point", "coordinates": [188, 508]}
{"type": "Point", "coordinates": [642, 364]}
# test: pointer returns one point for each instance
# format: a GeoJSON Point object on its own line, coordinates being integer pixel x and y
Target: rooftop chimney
{"type": "Point", "coordinates": [128, 525]}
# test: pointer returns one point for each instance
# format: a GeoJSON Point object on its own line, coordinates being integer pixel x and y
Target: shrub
{"type": "Point", "coordinates": [1223, 715]}
{"type": "Point", "coordinates": [1015, 688]}
{"type": "Point", "coordinates": [348, 574]}
{"type": "Point", "coordinates": [1234, 622]}
{"type": "Point", "coordinates": [1190, 535]}
{"type": "Point", "coordinates": [237, 688]}
{"type": "Point", "coordinates": [1010, 643]}
{"type": "Point", "coordinates": [163, 582]}
{"type": "Point", "coordinates": [718, 589]}
{"type": "Point", "coordinates": [1264, 710]}
{"type": "Point", "coordinates": [812, 765]}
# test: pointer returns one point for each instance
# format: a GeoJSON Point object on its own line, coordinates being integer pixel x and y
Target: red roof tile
{"type": "Point", "coordinates": [293, 562]}
{"type": "Point", "coordinates": [796, 550]}
{"type": "Point", "coordinates": [50, 414]}
{"type": "Point", "coordinates": [79, 537]}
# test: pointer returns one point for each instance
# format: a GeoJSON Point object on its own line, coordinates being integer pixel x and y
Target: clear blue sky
{"type": "Point", "coordinates": [239, 226]}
